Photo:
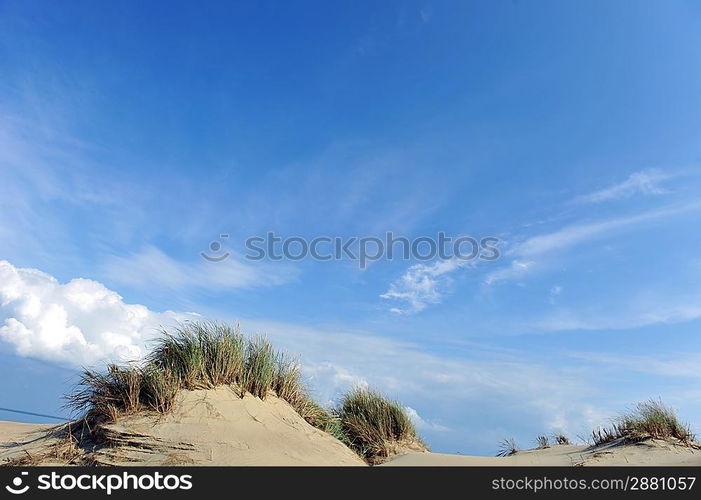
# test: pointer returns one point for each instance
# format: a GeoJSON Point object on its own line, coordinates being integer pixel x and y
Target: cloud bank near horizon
{"type": "Point", "coordinates": [76, 323]}
{"type": "Point", "coordinates": [82, 322]}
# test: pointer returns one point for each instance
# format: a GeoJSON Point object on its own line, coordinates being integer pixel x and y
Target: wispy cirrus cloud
{"type": "Point", "coordinates": [425, 284]}
{"type": "Point", "coordinates": [575, 234]}
{"type": "Point", "coordinates": [533, 252]}
{"type": "Point", "coordinates": [678, 364]}
{"type": "Point", "coordinates": [516, 269]}
{"type": "Point", "coordinates": [645, 182]}
{"type": "Point", "coordinates": [499, 383]}
{"type": "Point", "coordinates": [151, 267]}
{"type": "Point", "coordinates": [635, 312]}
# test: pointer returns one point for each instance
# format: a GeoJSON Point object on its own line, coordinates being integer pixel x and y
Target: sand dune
{"type": "Point", "coordinates": [215, 427]}
{"type": "Point", "coordinates": [208, 427]}
{"type": "Point", "coordinates": [648, 452]}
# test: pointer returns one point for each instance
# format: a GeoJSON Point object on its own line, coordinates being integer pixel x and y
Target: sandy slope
{"type": "Point", "coordinates": [651, 452]}
{"type": "Point", "coordinates": [208, 427]}
{"type": "Point", "coordinates": [17, 431]}
{"type": "Point", "coordinates": [216, 427]}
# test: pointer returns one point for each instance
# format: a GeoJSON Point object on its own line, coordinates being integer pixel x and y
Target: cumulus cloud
{"type": "Point", "coordinates": [76, 323]}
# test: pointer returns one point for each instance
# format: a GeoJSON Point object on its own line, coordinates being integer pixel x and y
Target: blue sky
{"type": "Point", "coordinates": [132, 136]}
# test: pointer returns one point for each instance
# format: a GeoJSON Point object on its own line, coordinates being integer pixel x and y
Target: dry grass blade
{"type": "Point", "coordinates": [507, 448]}
{"type": "Point", "coordinates": [542, 442]}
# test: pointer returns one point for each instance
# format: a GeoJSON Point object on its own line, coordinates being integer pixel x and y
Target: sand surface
{"type": "Point", "coordinates": [217, 427]}
{"type": "Point", "coordinates": [650, 452]}
{"type": "Point", "coordinates": [207, 427]}
{"type": "Point", "coordinates": [18, 431]}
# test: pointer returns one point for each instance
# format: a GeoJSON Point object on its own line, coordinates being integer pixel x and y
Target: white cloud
{"type": "Point", "coordinates": [517, 269]}
{"type": "Point", "coordinates": [82, 322]}
{"type": "Point", "coordinates": [425, 284]}
{"type": "Point", "coordinates": [645, 182]}
{"type": "Point", "coordinates": [532, 253]}
{"type": "Point", "coordinates": [447, 392]}
{"type": "Point", "coordinates": [422, 284]}
{"type": "Point", "coordinates": [574, 234]}
{"type": "Point", "coordinates": [76, 323]}
{"type": "Point", "coordinates": [679, 364]}
{"type": "Point", "coordinates": [636, 312]}
{"type": "Point", "coordinates": [152, 267]}
{"type": "Point", "coordinates": [422, 424]}
{"type": "Point", "coordinates": [555, 292]}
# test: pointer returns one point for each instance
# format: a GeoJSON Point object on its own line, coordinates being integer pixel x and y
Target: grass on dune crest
{"type": "Point", "coordinates": [192, 356]}
{"type": "Point", "coordinates": [204, 355]}
{"type": "Point", "coordinates": [649, 419]}
{"type": "Point", "coordinates": [375, 425]}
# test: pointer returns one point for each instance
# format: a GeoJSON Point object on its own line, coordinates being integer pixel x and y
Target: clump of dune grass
{"type": "Point", "coordinates": [261, 367]}
{"type": "Point", "coordinates": [122, 390]}
{"type": "Point", "coordinates": [194, 355]}
{"type": "Point", "coordinates": [507, 448]}
{"type": "Point", "coordinates": [561, 439]}
{"type": "Point", "coordinates": [204, 355]}
{"type": "Point", "coordinates": [649, 419]}
{"type": "Point", "coordinates": [542, 442]}
{"type": "Point", "coordinates": [201, 355]}
{"type": "Point", "coordinates": [375, 426]}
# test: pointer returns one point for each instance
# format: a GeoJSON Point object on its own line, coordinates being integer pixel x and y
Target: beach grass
{"type": "Point", "coordinates": [374, 424]}
{"type": "Point", "coordinates": [507, 448]}
{"type": "Point", "coordinates": [205, 355]}
{"type": "Point", "coordinates": [542, 442]}
{"type": "Point", "coordinates": [561, 438]}
{"type": "Point", "coordinates": [648, 419]}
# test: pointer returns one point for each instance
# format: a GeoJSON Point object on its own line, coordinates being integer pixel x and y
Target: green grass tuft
{"type": "Point", "coordinates": [649, 419]}
{"type": "Point", "coordinates": [261, 367]}
{"type": "Point", "coordinates": [374, 425]}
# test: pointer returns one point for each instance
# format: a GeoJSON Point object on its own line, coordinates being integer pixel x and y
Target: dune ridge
{"type": "Point", "coordinates": [208, 396]}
